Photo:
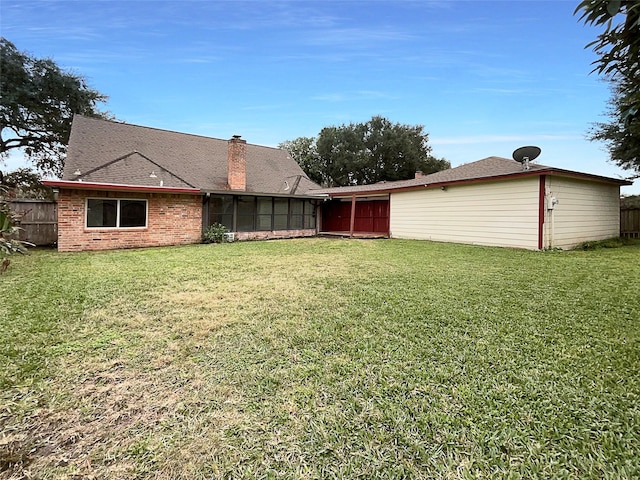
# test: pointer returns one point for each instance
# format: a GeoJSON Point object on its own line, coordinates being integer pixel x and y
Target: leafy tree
{"type": "Point", "coordinates": [38, 101]}
{"type": "Point", "coordinates": [304, 151]}
{"type": "Point", "coordinates": [365, 153]}
{"type": "Point", "coordinates": [25, 183]}
{"type": "Point", "coordinates": [618, 49]}
{"type": "Point", "coordinates": [622, 133]}
{"type": "Point", "coordinates": [632, 201]}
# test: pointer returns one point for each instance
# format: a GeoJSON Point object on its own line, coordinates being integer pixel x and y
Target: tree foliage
{"type": "Point", "coordinates": [632, 201]}
{"type": "Point", "coordinates": [25, 183]}
{"type": "Point", "coordinates": [38, 101]}
{"type": "Point", "coordinates": [618, 50]}
{"type": "Point", "coordinates": [365, 153]}
{"type": "Point", "coordinates": [304, 151]}
{"type": "Point", "coordinates": [622, 133]}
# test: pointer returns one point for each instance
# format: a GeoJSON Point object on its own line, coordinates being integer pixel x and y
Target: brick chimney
{"type": "Point", "coordinates": [237, 163]}
{"type": "Point", "coordinates": [419, 174]}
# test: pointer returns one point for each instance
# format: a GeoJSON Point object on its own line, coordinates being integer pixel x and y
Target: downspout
{"type": "Point", "coordinates": [205, 211]}
{"type": "Point", "coordinates": [551, 236]}
{"type": "Point", "coordinates": [550, 219]}
{"type": "Point", "coordinates": [551, 202]}
{"type": "Point", "coordinates": [352, 222]}
{"type": "Point", "coordinates": [541, 212]}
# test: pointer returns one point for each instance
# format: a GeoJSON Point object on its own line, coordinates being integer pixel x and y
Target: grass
{"type": "Point", "coordinates": [314, 359]}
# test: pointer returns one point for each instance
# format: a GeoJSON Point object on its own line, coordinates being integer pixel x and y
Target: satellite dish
{"type": "Point", "coordinates": [524, 155]}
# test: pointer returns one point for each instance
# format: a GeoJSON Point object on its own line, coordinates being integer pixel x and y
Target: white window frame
{"type": "Point", "coordinates": [118, 200]}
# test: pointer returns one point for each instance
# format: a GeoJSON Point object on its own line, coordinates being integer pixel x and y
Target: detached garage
{"type": "Point", "coordinates": [495, 201]}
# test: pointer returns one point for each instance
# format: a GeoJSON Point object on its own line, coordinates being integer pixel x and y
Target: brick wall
{"type": "Point", "coordinates": [173, 219]}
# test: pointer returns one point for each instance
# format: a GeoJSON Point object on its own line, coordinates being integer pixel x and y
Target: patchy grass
{"type": "Point", "coordinates": [310, 359]}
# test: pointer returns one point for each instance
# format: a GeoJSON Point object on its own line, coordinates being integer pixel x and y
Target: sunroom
{"type": "Point", "coordinates": [261, 216]}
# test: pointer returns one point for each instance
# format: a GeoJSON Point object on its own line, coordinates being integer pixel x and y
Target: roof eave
{"type": "Point", "coordinates": [67, 184]}
{"type": "Point", "coordinates": [588, 176]}
{"type": "Point", "coordinates": [420, 186]}
{"type": "Point", "coordinates": [262, 194]}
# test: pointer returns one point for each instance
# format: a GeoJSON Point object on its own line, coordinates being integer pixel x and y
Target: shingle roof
{"type": "Point", "coordinates": [490, 168]}
{"type": "Point", "coordinates": [119, 153]}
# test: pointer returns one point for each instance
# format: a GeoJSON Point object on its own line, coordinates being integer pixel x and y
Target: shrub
{"type": "Point", "coordinates": [614, 242]}
{"type": "Point", "coordinates": [214, 233]}
{"type": "Point", "coordinates": [9, 244]}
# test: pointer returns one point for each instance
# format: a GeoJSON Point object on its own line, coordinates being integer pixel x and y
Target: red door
{"type": "Point", "coordinates": [371, 216]}
{"type": "Point", "coordinates": [336, 216]}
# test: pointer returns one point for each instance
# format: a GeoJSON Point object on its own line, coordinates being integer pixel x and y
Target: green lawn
{"type": "Point", "coordinates": [321, 359]}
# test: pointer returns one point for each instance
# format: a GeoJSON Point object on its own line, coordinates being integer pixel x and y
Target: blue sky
{"type": "Point", "coordinates": [483, 77]}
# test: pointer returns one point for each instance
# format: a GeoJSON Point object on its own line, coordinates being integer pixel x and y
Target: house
{"type": "Point", "coordinates": [129, 186]}
{"type": "Point", "coordinates": [494, 201]}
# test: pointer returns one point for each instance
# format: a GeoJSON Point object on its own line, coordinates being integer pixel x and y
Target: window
{"type": "Point", "coordinates": [116, 213]}
{"type": "Point", "coordinates": [246, 214]}
{"type": "Point", "coordinates": [296, 210]}
{"type": "Point", "coordinates": [265, 210]}
{"type": "Point", "coordinates": [133, 213]}
{"type": "Point", "coordinates": [221, 210]}
{"type": "Point", "coordinates": [309, 214]}
{"type": "Point", "coordinates": [280, 213]}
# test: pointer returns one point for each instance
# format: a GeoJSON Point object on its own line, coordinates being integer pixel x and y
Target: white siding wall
{"type": "Point", "coordinates": [586, 211]}
{"type": "Point", "coordinates": [503, 213]}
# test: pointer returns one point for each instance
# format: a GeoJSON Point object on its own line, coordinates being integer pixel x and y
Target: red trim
{"type": "Point", "coordinates": [352, 221]}
{"type": "Point", "coordinates": [530, 173]}
{"type": "Point", "coordinates": [541, 195]}
{"type": "Point", "coordinates": [116, 187]}
{"type": "Point", "coordinates": [389, 216]}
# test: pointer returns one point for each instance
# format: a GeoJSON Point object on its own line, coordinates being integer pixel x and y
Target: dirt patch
{"type": "Point", "coordinates": [103, 430]}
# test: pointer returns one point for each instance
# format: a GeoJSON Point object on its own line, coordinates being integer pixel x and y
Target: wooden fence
{"type": "Point", "coordinates": [38, 220]}
{"type": "Point", "coordinates": [630, 222]}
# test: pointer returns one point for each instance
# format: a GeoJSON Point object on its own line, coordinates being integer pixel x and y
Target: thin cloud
{"type": "Point", "coordinates": [356, 37]}
{"type": "Point", "coordinates": [374, 94]}
{"type": "Point", "coordinates": [356, 95]}
{"type": "Point", "coordinates": [277, 107]}
{"type": "Point", "coordinates": [331, 97]}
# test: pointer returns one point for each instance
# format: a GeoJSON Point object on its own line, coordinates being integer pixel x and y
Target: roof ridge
{"type": "Point", "coordinates": [111, 162]}
{"type": "Point", "coordinates": [157, 129]}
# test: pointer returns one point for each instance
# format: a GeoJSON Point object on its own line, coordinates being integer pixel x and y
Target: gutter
{"type": "Point", "coordinates": [307, 196]}
{"type": "Point", "coordinates": [347, 192]}
{"type": "Point", "coordinates": [118, 187]}
{"type": "Point", "coordinates": [68, 184]}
